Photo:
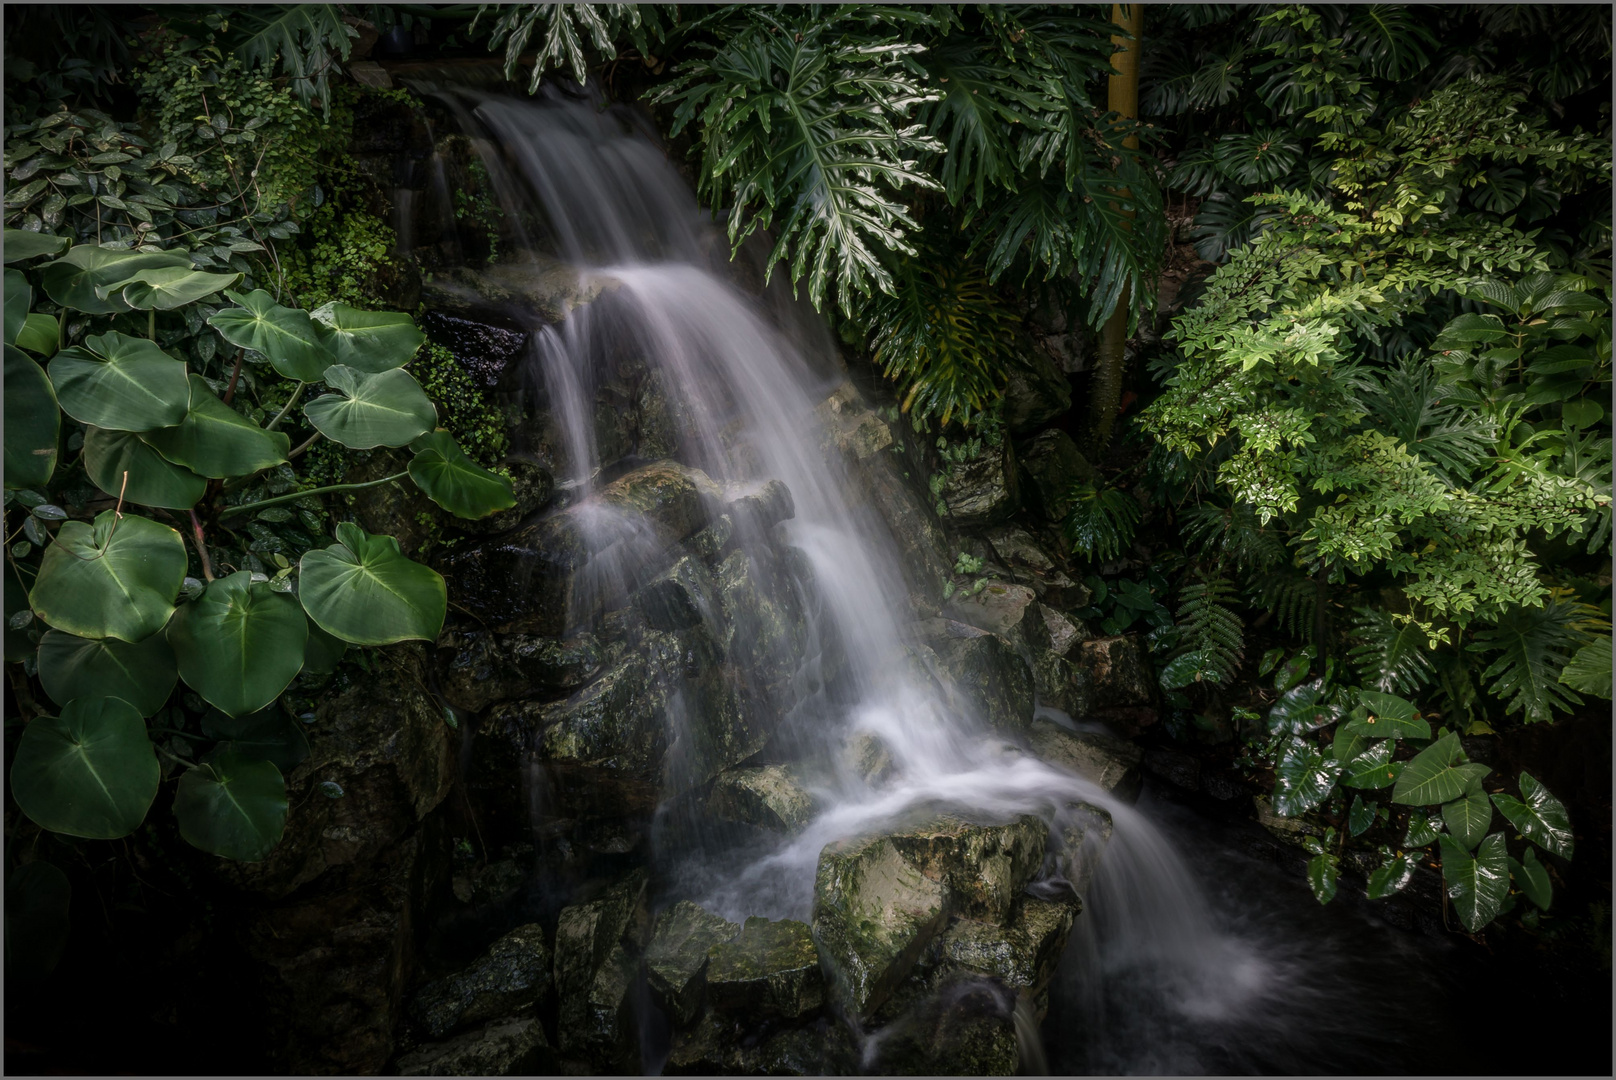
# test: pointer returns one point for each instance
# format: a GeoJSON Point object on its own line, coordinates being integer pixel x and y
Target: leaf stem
{"type": "Point", "coordinates": [297, 392]}
{"type": "Point", "coordinates": [294, 496]}
{"type": "Point", "coordinates": [310, 441]}
{"type": "Point", "coordinates": [235, 373]}
{"type": "Point", "coordinates": [201, 545]}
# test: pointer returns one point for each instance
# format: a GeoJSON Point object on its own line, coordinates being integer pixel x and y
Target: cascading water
{"type": "Point", "coordinates": [745, 377]}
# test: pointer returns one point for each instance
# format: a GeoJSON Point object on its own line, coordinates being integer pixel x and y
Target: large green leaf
{"type": "Point", "coordinates": [1589, 669]}
{"type": "Point", "coordinates": [73, 280]}
{"type": "Point", "coordinates": [167, 287]}
{"type": "Point", "coordinates": [1302, 709]}
{"type": "Point", "coordinates": [122, 383]}
{"type": "Point", "coordinates": [1346, 746]}
{"type": "Point", "coordinates": [1374, 768]}
{"type": "Point", "coordinates": [372, 341]}
{"type": "Point", "coordinates": [1433, 776]}
{"type": "Point", "coordinates": [389, 409]}
{"type": "Point", "coordinates": [153, 480]}
{"type": "Point", "coordinates": [301, 39]}
{"type": "Point", "coordinates": [117, 578]}
{"type": "Point", "coordinates": [240, 644]}
{"type": "Point", "coordinates": [33, 422]}
{"type": "Point", "coordinates": [363, 590]}
{"type": "Point", "coordinates": [1360, 815]}
{"type": "Point", "coordinates": [1389, 717]}
{"type": "Point", "coordinates": [1422, 829]}
{"type": "Point", "coordinates": [1392, 875]}
{"type": "Point", "coordinates": [1468, 816]}
{"type": "Point", "coordinates": [1476, 884]}
{"type": "Point", "coordinates": [215, 440]}
{"type": "Point", "coordinates": [1532, 878]}
{"type": "Point", "coordinates": [1304, 776]}
{"type": "Point", "coordinates": [90, 772]}
{"type": "Point", "coordinates": [37, 899]}
{"type": "Point", "coordinates": [297, 347]}
{"type": "Point", "coordinates": [141, 673]}
{"type": "Point", "coordinates": [19, 296]}
{"type": "Point", "coordinates": [454, 481]}
{"type": "Point", "coordinates": [24, 244]}
{"type": "Point", "coordinates": [234, 806]}
{"type": "Point", "coordinates": [1323, 872]}
{"type": "Point", "coordinates": [268, 734]}
{"type": "Point", "coordinates": [40, 334]}
{"type": "Point", "coordinates": [1542, 818]}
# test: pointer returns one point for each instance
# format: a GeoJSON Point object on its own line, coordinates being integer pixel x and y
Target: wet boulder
{"type": "Point", "coordinates": [874, 914]}
{"type": "Point", "coordinates": [1036, 392]}
{"type": "Point", "coordinates": [980, 673]}
{"type": "Point", "coordinates": [676, 957]}
{"type": "Point", "coordinates": [478, 668]}
{"type": "Point", "coordinates": [965, 1028]}
{"type": "Point", "coordinates": [766, 796]}
{"type": "Point", "coordinates": [1083, 831]}
{"type": "Point", "coordinates": [594, 974]}
{"type": "Point", "coordinates": [769, 969]}
{"type": "Point", "coordinates": [1118, 672]}
{"type": "Point", "coordinates": [1029, 560]}
{"type": "Point", "coordinates": [515, 1046]}
{"type": "Point", "coordinates": [1022, 955]}
{"type": "Point", "coordinates": [985, 867]}
{"type": "Point", "coordinates": [1110, 763]}
{"type": "Point", "coordinates": [983, 489]}
{"type": "Point", "coordinates": [1050, 464]}
{"type": "Point", "coordinates": [867, 757]}
{"type": "Point", "coordinates": [723, 1045]}
{"type": "Point", "coordinates": [513, 974]}
{"type": "Point", "coordinates": [998, 608]}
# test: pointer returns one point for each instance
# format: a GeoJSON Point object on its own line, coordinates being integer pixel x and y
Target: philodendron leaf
{"type": "Point", "coordinates": [1389, 718]}
{"type": "Point", "coordinates": [33, 422]}
{"type": "Point", "coordinates": [121, 383]}
{"type": "Point", "coordinates": [1359, 816]}
{"type": "Point", "coordinates": [18, 298]}
{"type": "Point", "coordinates": [39, 334]}
{"type": "Point", "coordinates": [37, 899]}
{"type": "Point", "coordinates": [90, 772]}
{"type": "Point", "coordinates": [117, 578]}
{"type": "Point", "coordinates": [1532, 878]}
{"type": "Point", "coordinates": [166, 288]}
{"type": "Point", "coordinates": [1433, 776]}
{"type": "Point", "coordinates": [1323, 872]}
{"type": "Point", "coordinates": [1346, 746]}
{"type": "Point", "coordinates": [363, 590]}
{"type": "Point", "coordinates": [153, 480]}
{"type": "Point", "coordinates": [389, 409]}
{"type": "Point", "coordinates": [74, 280]}
{"type": "Point", "coordinates": [234, 806]}
{"type": "Point", "coordinates": [240, 644]}
{"type": "Point", "coordinates": [268, 734]}
{"type": "Point", "coordinates": [454, 481]}
{"type": "Point", "coordinates": [24, 244]}
{"type": "Point", "coordinates": [1392, 875]}
{"type": "Point", "coordinates": [297, 347]}
{"type": "Point", "coordinates": [1422, 829]}
{"type": "Point", "coordinates": [1476, 884]}
{"type": "Point", "coordinates": [1468, 816]}
{"type": "Point", "coordinates": [1374, 768]}
{"type": "Point", "coordinates": [1542, 818]}
{"type": "Point", "coordinates": [1302, 709]}
{"type": "Point", "coordinates": [215, 440]}
{"type": "Point", "coordinates": [1304, 776]}
{"type": "Point", "coordinates": [1589, 669]}
{"type": "Point", "coordinates": [141, 673]}
{"type": "Point", "coordinates": [372, 341]}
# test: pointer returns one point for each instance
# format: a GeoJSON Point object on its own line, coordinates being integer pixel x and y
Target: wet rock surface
{"type": "Point", "coordinates": [769, 969]}
{"type": "Point", "coordinates": [980, 673]}
{"type": "Point", "coordinates": [1050, 464]}
{"type": "Point", "coordinates": [515, 1046]}
{"type": "Point", "coordinates": [596, 957]}
{"type": "Point", "coordinates": [985, 867]}
{"type": "Point", "coordinates": [512, 975]}
{"type": "Point", "coordinates": [479, 668]}
{"type": "Point", "coordinates": [983, 489]}
{"type": "Point", "coordinates": [767, 796]}
{"type": "Point", "coordinates": [1106, 761]}
{"type": "Point", "coordinates": [1036, 392]}
{"type": "Point", "coordinates": [676, 957]}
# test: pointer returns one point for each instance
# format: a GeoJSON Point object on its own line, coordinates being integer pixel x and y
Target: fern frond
{"type": "Point", "coordinates": [1413, 406]}
{"type": "Point", "coordinates": [1100, 525]}
{"type": "Point", "coordinates": [1292, 598]}
{"type": "Point", "coordinates": [1391, 656]}
{"type": "Point", "coordinates": [1531, 646]}
{"type": "Point", "coordinates": [1212, 634]}
{"type": "Point", "coordinates": [1232, 534]}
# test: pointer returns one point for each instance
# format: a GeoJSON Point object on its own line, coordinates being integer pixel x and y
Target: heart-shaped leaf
{"type": "Point", "coordinates": [1433, 776]}
{"type": "Point", "coordinates": [1373, 768]}
{"type": "Point", "coordinates": [1422, 829]}
{"type": "Point", "coordinates": [1323, 872]}
{"type": "Point", "coordinates": [1359, 816]}
{"type": "Point", "coordinates": [153, 479]}
{"type": "Point", "coordinates": [1542, 818]}
{"type": "Point", "coordinates": [37, 899]}
{"type": "Point", "coordinates": [33, 422]}
{"type": "Point", "coordinates": [1293, 671]}
{"type": "Point", "coordinates": [40, 334]}
{"type": "Point", "coordinates": [389, 409]}
{"type": "Point", "coordinates": [1304, 777]}
{"type": "Point", "coordinates": [1388, 717]}
{"type": "Point", "coordinates": [234, 806]}
{"type": "Point", "coordinates": [1476, 884]}
{"type": "Point", "coordinates": [117, 578]}
{"type": "Point", "coordinates": [1468, 816]}
{"type": "Point", "coordinates": [1302, 709]}
{"type": "Point", "coordinates": [240, 644]}
{"type": "Point", "coordinates": [1346, 746]}
{"type": "Point", "coordinates": [73, 280]}
{"type": "Point", "coordinates": [268, 734]}
{"type": "Point", "coordinates": [167, 287]}
{"type": "Point", "coordinates": [372, 341]}
{"type": "Point", "coordinates": [90, 772]}
{"type": "Point", "coordinates": [121, 383]}
{"type": "Point", "coordinates": [363, 590]}
{"type": "Point", "coordinates": [1392, 875]}
{"type": "Point", "coordinates": [215, 440]}
{"type": "Point", "coordinates": [296, 345]}
{"type": "Point", "coordinates": [454, 481]}
{"type": "Point", "coordinates": [141, 673]}
{"type": "Point", "coordinates": [18, 298]}
{"type": "Point", "coordinates": [1532, 878]}
{"type": "Point", "coordinates": [24, 244]}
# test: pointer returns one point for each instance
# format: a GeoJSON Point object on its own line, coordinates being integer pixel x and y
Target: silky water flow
{"type": "Point", "coordinates": [744, 374]}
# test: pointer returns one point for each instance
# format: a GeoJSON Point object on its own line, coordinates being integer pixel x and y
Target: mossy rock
{"type": "Point", "coordinates": [985, 867]}
{"type": "Point", "coordinates": [769, 969]}
{"type": "Point", "coordinates": [511, 975]}
{"type": "Point", "coordinates": [478, 668]}
{"type": "Point", "coordinates": [766, 796]}
{"type": "Point", "coordinates": [515, 1046]}
{"type": "Point", "coordinates": [594, 973]}
{"type": "Point", "coordinates": [676, 958]}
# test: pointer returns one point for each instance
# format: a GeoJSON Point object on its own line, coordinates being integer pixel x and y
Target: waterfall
{"type": "Point", "coordinates": [745, 376]}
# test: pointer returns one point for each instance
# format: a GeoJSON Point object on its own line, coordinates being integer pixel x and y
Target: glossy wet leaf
{"type": "Point", "coordinates": [1345, 746]}
{"type": "Point", "coordinates": [1477, 884]}
{"type": "Point", "coordinates": [33, 422]}
{"type": "Point", "coordinates": [73, 280]}
{"type": "Point", "coordinates": [1359, 816]}
{"type": "Point", "coordinates": [142, 673]}
{"type": "Point", "coordinates": [1392, 875]}
{"type": "Point", "coordinates": [1541, 818]}
{"type": "Point", "coordinates": [1532, 878]}
{"type": "Point", "coordinates": [89, 772]}
{"type": "Point", "coordinates": [1433, 777]}
{"type": "Point", "coordinates": [17, 300]}
{"type": "Point", "coordinates": [233, 806]}
{"type": "Point", "coordinates": [1303, 778]}
{"type": "Point", "coordinates": [20, 245]}
{"type": "Point", "coordinates": [323, 652]}
{"type": "Point", "coordinates": [121, 383]}
{"type": "Point", "coordinates": [153, 479]}
{"type": "Point", "coordinates": [240, 645]}
{"type": "Point", "coordinates": [268, 734]}
{"type": "Point", "coordinates": [1302, 709]}
{"type": "Point", "coordinates": [167, 288]}
{"type": "Point", "coordinates": [1373, 768]}
{"type": "Point", "coordinates": [372, 341]}
{"type": "Point", "coordinates": [38, 898]}
{"type": "Point", "coordinates": [1422, 829]}
{"type": "Point", "coordinates": [1388, 717]}
{"type": "Point", "coordinates": [1323, 872]}
{"type": "Point", "coordinates": [389, 409]}
{"type": "Point", "coordinates": [1292, 672]}
{"type": "Point", "coordinates": [1469, 816]}
{"type": "Point", "coordinates": [454, 481]}
{"type": "Point", "coordinates": [215, 440]}
{"type": "Point", "coordinates": [297, 347]}
{"type": "Point", "coordinates": [115, 578]}
{"type": "Point", "coordinates": [363, 590]}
